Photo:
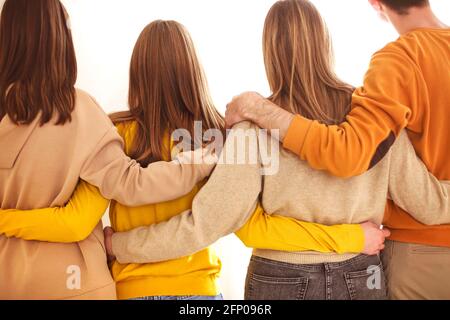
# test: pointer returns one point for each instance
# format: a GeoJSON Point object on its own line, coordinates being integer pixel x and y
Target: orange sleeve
{"type": "Point", "coordinates": [380, 110]}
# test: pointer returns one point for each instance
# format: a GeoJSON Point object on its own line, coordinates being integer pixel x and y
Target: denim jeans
{"type": "Point", "coordinates": [201, 298]}
{"type": "Point", "coordinates": [360, 278]}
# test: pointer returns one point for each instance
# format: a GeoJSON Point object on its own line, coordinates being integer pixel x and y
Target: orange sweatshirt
{"type": "Point", "coordinates": [406, 86]}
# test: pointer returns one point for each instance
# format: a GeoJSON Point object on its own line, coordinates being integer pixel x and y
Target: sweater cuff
{"type": "Point", "coordinates": [296, 135]}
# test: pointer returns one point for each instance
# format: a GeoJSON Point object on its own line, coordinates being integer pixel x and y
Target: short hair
{"type": "Point", "coordinates": [402, 6]}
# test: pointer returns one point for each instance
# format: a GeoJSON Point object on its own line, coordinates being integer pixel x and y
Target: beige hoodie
{"type": "Point", "coordinates": [40, 167]}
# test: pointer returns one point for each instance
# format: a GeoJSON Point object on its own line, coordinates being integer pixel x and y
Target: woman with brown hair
{"type": "Point", "coordinates": [51, 136]}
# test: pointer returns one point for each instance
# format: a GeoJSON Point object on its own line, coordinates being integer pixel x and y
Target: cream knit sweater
{"type": "Point", "coordinates": [229, 198]}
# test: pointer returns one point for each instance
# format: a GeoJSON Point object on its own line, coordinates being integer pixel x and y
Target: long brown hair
{"type": "Point", "coordinates": [168, 90]}
{"type": "Point", "coordinates": [299, 63]}
{"type": "Point", "coordinates": [38, 68]}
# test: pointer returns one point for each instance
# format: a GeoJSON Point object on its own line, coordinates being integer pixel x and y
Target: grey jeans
{"type": "Point", "coordinates": [360, 278]}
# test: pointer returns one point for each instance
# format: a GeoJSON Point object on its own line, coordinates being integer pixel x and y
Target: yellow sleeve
{"type": "Point", "coordinates": [264, 231]}
{"type": "Point", "coordinates": [72, 223]}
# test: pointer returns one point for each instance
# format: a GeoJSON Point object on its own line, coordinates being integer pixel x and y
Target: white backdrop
{"type": "Point", "coordinates": [228, 36]}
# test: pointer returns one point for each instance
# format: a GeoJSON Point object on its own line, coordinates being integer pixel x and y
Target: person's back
{"type": "Point", "coordinates": [428, 64]}
{"type": "Point", "coordinates": [25, 184]}
{"type": "Point", "coordinates": [193, 275]}
{"type": "Point", "coordinates": [426, 57]}
{"type": "Point", "coordinates": [164, 61]}
{"type": "Point", "coordinates": [291, 188]}
{"type": "Point", "coordinates": [46, 138]}
{"type": "Point", "coordinates": [305, 194]}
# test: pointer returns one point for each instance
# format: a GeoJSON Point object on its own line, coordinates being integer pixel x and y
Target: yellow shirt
{"type": "Point", "coordinates": [193, 275]}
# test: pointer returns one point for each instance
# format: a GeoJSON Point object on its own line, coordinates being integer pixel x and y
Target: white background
{"type": "Point", "coordinates": [228, 36]}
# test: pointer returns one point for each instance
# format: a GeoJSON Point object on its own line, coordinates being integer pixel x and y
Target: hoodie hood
{"type": "Point", "coordinates": [12, 140]}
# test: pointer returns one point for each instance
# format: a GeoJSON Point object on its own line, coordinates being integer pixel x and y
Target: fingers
{"type": "Point", "coordinates": [386, 233]}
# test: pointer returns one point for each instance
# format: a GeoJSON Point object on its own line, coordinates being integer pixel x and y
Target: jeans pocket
{"type": "Point", "coordinates": [424, 249]}
{"type": "Point", "coordinates": [369, 284]}
{"type": "Point", "coordinates": [275, 288]}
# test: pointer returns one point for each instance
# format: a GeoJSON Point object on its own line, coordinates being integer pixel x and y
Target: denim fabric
{"type": "Point", "coordinates": [360, 278]}
{"type": "Point", "coordinates": [174, 298]}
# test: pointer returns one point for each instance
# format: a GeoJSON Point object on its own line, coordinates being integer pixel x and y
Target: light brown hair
{"type": "Point", "coordinates": [300, 65]}
{"type": "Point", "coordinates": [168, 90]}
{"type": "Point", "coordinates": [38, 67]}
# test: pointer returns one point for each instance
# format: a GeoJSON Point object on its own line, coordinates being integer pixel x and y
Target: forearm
{"type": "Point", "coordinates": [176, 238]}
{"type": "Point", "coordinates": [413, 188]}
{"type": "Point", "coordinates": [263, 231]}
{"type": "Point", "coordinates": [123, 179]}
{"type": "Point", "coordinates": [72, 223]}
{"type": "Point", "coordinates": [189, 232]}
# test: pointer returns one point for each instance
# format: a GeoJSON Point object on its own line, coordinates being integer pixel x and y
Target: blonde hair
{"type": "Point", "coordinates": [299, 63]}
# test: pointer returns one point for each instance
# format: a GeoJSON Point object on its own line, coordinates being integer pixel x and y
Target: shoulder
{"type": "Point", "coordinates": [244, 128]}
{"type": "Point", "coordinates": [394, 61]}
{"type": "Point", "coordinates": [403, 51]}
{"type": "Point", "coordinates": [90, 123]}
{"type": "Point", "coordinates": [392, 51]}
{"type": "Point", "coordinates": [241, 133]}
{"type": "Point", "coordinates": [241, 145]}
{"type": "Point", "coordinates": [89, 111]}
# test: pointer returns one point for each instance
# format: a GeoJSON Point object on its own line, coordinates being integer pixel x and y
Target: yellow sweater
{"type": "Point", "coordinates": [193, 275]}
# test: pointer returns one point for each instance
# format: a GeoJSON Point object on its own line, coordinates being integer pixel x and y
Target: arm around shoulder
{"type": "Point", "coordinates": [120, 178]}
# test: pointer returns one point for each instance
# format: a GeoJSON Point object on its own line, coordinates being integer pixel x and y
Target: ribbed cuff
{"type": "Point", "coordinates": [296, 135]}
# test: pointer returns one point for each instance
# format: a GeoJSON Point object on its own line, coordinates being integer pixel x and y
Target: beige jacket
{"type": "Point", "coordinates": [227, 201]}
{"type": "Point", "coordinates": [40, 167]}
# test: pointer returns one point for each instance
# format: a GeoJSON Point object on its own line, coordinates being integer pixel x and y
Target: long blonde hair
{"type": "Point", "coordinates": [300, 64]}
{"type": "Point", "coordinates": [168, 90]}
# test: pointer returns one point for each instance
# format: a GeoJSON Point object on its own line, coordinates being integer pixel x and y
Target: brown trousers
{"type": "Point", "coordinates": [417, 272]}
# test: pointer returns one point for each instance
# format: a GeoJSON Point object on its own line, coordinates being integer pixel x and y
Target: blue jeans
{"type": "Point", "coordinates": [204, 298]}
